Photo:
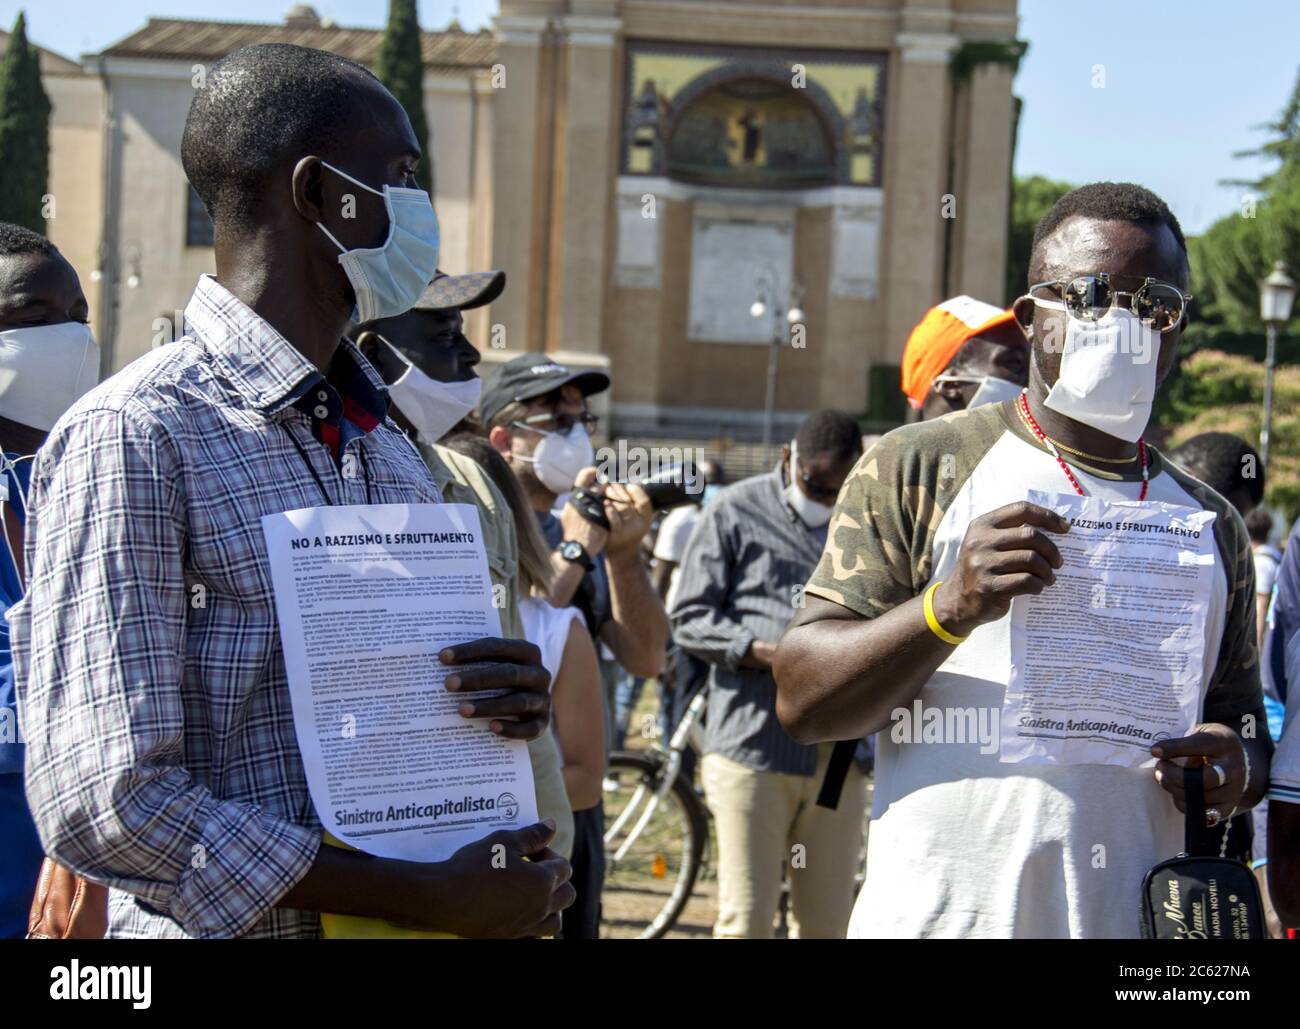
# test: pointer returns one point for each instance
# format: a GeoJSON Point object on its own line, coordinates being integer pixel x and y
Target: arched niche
{"type": "Point", "coordinates": [752, 128]}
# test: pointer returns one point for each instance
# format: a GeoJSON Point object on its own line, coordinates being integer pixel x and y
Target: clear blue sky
{"type": "Point", "coordinates": [1185, 81]}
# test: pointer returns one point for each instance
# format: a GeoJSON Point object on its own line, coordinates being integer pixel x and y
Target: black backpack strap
{"type": "Point", "coordinates": [1194, 841]}
{"type": "Point", "coordinates": [837, 772]}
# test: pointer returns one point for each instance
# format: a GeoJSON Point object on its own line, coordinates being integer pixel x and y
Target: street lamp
{"type": "Point", "coordinates": [1276, 295]}
{"type": "Point", "coordinates": [765, 285]}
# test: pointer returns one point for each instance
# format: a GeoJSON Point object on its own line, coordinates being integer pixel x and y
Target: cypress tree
{"type": "Point", "coordinates": [24, 131]}
{"type": "Point", "coordinates": [400, 67]}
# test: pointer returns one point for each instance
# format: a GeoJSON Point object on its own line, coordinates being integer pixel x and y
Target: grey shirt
{"type": "Point", "coordinates": [740, 579]}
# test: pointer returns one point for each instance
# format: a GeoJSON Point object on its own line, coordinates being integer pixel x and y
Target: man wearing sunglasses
{"type": "Point", "coordinates": [741, 575]}
{"type": "Point", "coordinates": [535, 411]}
{"type": "Point", "coordinates": [931, 541]}
{"type": "Point", "coordinates": [536, 414]}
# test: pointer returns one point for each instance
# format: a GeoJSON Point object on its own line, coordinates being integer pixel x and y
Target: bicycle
{"type": "Point", "coordinates": [656, 832]}
{"type": "Point", "coordinates": [653, 817]}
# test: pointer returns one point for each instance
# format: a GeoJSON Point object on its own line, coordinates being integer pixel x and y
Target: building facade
{"type": "Point", "coordinates": [676, 188]}
{"type": "Point", "coordinates": [668, 164]}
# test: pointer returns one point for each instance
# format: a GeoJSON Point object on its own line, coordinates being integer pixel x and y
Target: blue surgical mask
{"type": "Point", "coordinates": [388, 280]}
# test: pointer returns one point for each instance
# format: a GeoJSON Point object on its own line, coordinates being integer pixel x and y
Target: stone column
{"type": "Point", "coordinates": [587, 130]}
{"type": "Point", "coordinates": [522, 118]}
{"type": "Point", "coordinates": [981, 256]}
{"type": "Point", "coordinates": [917, 146]}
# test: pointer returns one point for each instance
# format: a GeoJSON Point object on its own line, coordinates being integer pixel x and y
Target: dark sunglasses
{"type": "Point", "coordinates": [1158, 305]}
{"type": "Point", "coordinates": [563, 422]}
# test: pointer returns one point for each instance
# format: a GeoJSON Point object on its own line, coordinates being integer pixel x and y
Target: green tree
{"type": "Point", "coordinates": [1231, 257]}
{"type": "Point", "coordinates": [1219, 381]}
{"type": "Point", "coordinates": [1284, 147]}
{"type": "Point", "coordinates": [1031, 198]}
{"type": "Point", "coordinates": [1218, 392]}
{"type": "Point", "coordinates": [400, 67]}
{"type": "Point", "coordinates": [24, 132]}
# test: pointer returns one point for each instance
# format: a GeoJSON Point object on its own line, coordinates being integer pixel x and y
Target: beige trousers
{"type": "Point", "coordinates": [768, 824]}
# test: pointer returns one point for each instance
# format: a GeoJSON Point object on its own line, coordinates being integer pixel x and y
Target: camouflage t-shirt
{"type": "Point", "coordinates": [961, 844]}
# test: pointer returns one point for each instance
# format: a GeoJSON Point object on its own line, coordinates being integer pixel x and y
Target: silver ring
{"type": "Point", "coordinates": [1223, 776]}
{"type": "Point", "coordinates": [1212, 817]}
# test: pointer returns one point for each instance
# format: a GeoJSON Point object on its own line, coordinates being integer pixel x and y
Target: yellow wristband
{"type": "Point", "coordinates": [933, 622]}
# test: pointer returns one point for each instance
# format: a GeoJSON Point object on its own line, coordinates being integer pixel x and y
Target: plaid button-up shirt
{"type": "Point", "coordinates": [161, 755]}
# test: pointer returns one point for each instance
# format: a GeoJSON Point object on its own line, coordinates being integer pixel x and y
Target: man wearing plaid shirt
{"type": "Point", "coordinates": [162, 759]}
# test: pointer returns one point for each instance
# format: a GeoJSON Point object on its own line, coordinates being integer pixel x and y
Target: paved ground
{"type": "Point", "coordinates": [696, 919]}
{"type": "Point", "coordinates": [695, 922]}
{"type": "Point", "coordinates": [627, 912]}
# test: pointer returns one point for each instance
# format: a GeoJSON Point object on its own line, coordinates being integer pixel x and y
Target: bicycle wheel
{"type": "Point", "coordinates": [654, 847]}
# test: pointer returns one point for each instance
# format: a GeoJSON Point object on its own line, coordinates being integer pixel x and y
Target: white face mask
{"type": "Point", "coordinates": [1108, 372]}
{"type": "Point", "coordinates": [810, 512]}
{"type": "Point", "coordinates": [558, 459]}
{"type": "Point", "coordinates": [993, 390]}
{"type": "Point", "coordinates": [431, 406]}
{"type": "Point", "coordinates": [388, 280]}
{"type": "Point", "coordinates": [44, 369]}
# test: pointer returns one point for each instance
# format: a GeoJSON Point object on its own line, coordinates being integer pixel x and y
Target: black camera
{"type": "Point", "coordinates": [670, 487]}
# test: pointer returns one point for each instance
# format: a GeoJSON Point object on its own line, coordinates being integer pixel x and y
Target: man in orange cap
{"type": "Point", "coordinates": [964, 353]}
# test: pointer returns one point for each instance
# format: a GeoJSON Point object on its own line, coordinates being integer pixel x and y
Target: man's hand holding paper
{"type": "Point", "coordinates": [1110, 660]}
{"type": "Point", "coordinates": [388, 621]}
{"type": "Point", "coordinates": [1223, 754]}
{"type": "Point", "coordinates": [522, 708]}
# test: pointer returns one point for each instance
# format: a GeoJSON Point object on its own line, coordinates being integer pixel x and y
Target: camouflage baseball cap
{"type": "Point", "coordinates": [462, 292]}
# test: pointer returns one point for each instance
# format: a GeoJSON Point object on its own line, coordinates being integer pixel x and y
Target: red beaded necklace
{"type": "Point", "coordinates": [1044, 439]}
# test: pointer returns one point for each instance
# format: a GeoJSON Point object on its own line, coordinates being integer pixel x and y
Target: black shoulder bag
{"type": "Point", "coordinates": [1198, 895]}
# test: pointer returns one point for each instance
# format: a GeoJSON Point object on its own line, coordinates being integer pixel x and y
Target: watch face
{"type": "Point", "coordinates": [571, 551]}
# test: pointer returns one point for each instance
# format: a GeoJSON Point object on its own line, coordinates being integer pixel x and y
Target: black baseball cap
{"type": "Point", "coordinates": [533, 375]}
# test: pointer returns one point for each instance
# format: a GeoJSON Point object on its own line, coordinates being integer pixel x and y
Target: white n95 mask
{"type": "Point", "coordinates": [1108, 372]}
{"type": "Point", "coordinates": [388, 280]}
{"type": "Point", "coordinates": [430, 405]}
{"type": "Point", "coordinates": [558, 459]}
{"type": "Point", "coordinates": [812, 513]}
{"type": "Point", "coordinates": [44, 369]}
{"type": "Point", "coordinates": [993, 390]}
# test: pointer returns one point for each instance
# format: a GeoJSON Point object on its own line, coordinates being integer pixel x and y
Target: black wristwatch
{"type": "Point", "coordinates": [572, 550]}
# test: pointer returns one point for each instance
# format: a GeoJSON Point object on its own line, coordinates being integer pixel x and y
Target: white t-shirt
{"type": "Point", "coordinates": [1267, 561]}
{"type": "Point", "coordinates": [674, 533]}
{"type": "Point", "coordinates": [548, 628]}
{"type": "Point", "coordinates": [962, 845]}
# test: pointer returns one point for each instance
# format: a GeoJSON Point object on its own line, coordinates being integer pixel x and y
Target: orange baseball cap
{"type": "Point", "coordinates": [941, 333]}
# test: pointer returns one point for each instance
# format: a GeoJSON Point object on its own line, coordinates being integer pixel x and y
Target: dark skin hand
{"type": "Point", "coordinates": [491, 663]}
{"type": "Point", "coordinates": [872, 666]}
{"type": "Point", "coordinates": [840, 676]}
{"type": "Point", "coordinates": [1209, 744]}
{"type": "Point", "coordinates": [35, 290]}
{"type": "Point", "coordinates": [470, 894]}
